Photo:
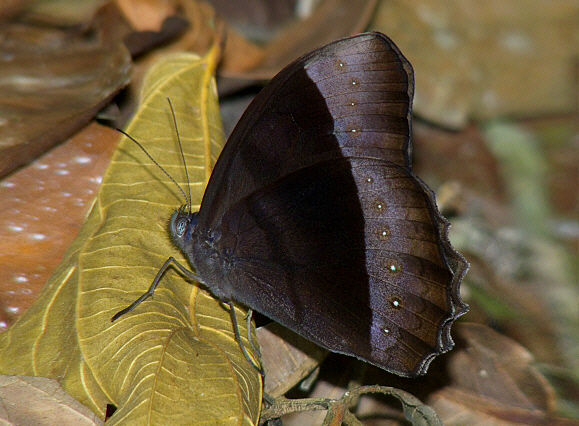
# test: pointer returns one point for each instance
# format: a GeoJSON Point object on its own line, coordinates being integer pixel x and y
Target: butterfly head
{"type": "Point", "coordinates": [181, 226]}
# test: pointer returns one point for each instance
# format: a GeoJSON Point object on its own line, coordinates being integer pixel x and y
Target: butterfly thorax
{"type": "Point", "coordinates": [202, 249]}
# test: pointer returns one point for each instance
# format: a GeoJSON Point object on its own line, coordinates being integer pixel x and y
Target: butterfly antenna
{"type": "Point", "coordinates": [157, 164]}
{"type": "Point", "coordinates": [182, 153]}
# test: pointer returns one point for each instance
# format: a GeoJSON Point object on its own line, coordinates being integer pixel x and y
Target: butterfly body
{"type": "Point", "coordinates": [313, 216]}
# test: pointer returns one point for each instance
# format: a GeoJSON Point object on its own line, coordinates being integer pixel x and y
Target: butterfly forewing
{"type": "Point", "coordinates": [313, 216]}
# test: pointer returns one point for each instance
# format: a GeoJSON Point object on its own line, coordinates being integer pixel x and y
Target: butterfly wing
{"type": "Point", "coordinates": [289, 125]}
{"type": "Point", "coordinates": [315, 219]}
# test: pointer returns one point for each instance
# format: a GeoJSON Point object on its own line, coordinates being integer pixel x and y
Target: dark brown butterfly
{"type": "Point", "coordinates": [314, 218]}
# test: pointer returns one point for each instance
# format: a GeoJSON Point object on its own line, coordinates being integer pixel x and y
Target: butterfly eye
{"type": "Point", "coordinates": [181, 226]}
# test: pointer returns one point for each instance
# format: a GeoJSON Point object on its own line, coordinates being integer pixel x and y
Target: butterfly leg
{"type": "Point", "coordinates": [153, 286]}
{"type": "Point", "coordinates": [254, 348]}
{"type": "Point", "coordinates": [238, 338]}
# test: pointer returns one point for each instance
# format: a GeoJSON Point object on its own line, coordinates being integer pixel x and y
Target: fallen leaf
{"type": "Point", "coordinates": [493, 381]}
{"type": "Point", "coordinates": [178, 346]}
{"type": "Point", "coordinates": [497, 368]}
{"type": "Point", "coordinates": [43, 208]}
{"type": "Point", "coordinates": [146, 15]}
{"type": "Point", "coordinates": [239, 54]}
{"type": "Point", "coordinates": [52, 83]}
{"type": "Point", "coordinates": [287, 358]}
{"type": "Point", "coordinates": [488, 59]}
{"type": "Point", "coordinates": [258, 20]}
{"type": "Point", "coordinates": [38, 401]}
{"type": "Point", "coordinates": [332, 19]}
{"type": "Point", "coordinates": [442, 156]}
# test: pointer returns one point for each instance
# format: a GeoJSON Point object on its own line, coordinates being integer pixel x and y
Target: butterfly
{"type": "Point", "coordinates": [313, 215]}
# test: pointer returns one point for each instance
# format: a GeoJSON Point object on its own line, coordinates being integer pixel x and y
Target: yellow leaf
{"type": "Point", "coordinates": [174, 359]}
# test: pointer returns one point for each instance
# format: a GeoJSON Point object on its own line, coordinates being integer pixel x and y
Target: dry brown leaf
{"type": "Point", "coordinates": [43, 208]}
{"type": "Point", "coordinates": [442, 156]}
{"type": "Point", "coordinates": [493, 381]}
{"type": "Point", "coordinates": [287, 358]}
{"type": "Point", "coordinates": [239, 54]}
{"type": "Point", "coordinates": [486, 59]}
{"type": "Point", "coordinates": [39, 401]}
{"type": "Point", "coordinates": [203, 29]}
{"type": "Point", "coordinates": [259, 19]}
{"type": "Point", "coordinates": [42, 105]}
{"type": "Point", "coordinates": [333, 19]}
{"type": "Point", "coordinates": [147, 15]}
{"type": "Point", "coordinates": [497, 368]}
{"type": "Point", "coordinates": [458, 408]}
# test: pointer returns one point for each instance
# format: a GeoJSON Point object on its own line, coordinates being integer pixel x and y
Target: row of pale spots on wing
{"type": "Point", "coordinates": [408, 253]}
{"type": "Point", "coordinates": [384, 133]}
{"type": "Point", "coordinates": [355, 93]}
